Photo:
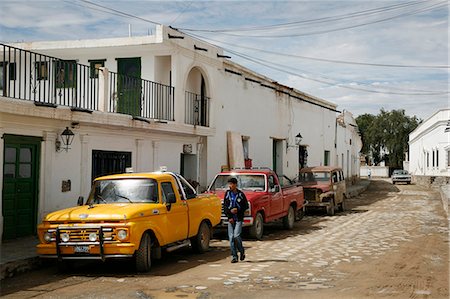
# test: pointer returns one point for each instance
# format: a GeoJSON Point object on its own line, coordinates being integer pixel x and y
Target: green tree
{"type": "Point", "coordinates": [386, 132]}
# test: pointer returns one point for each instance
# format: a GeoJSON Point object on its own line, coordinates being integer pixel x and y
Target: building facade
{"type": "Point", "coordinates": [429, 146]}
{"type": "Point", "coordinates": [348, 145]}
{"type": "Point", "coordinates": [141, 103]}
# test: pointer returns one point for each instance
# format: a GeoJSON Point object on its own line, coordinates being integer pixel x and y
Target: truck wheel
{"type": "Point", "coordinates": [144, 254]}
{"type": "Point", "coordinates": [300, 214]}
{"type": "Point", "coordinates": [342, 205]}
{"type": "Point", "coordinates": [200, 243]}
{"type": "Point", "coordinates": [330, 208]}
{"type": "Point", "coordinates": [257, 229]}
{"type": "Point", "coordinates": [288, 220]}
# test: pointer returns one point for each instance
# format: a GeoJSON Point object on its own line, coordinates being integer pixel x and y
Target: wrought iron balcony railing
{"type": "Point", "coordinates": [196, 109]}
{"type": "Point", "coordinates": [52, 81]}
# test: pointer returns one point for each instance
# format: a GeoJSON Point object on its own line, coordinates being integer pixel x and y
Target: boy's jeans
{"type": "Point", "coordinates": [234, 235]}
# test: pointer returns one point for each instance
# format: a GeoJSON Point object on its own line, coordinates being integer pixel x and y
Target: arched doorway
{"type": "Point", "coordinates": [197, 100]}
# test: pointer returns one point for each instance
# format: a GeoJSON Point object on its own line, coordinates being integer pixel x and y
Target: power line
{"type": "Point", "coordinates": [282, 68]}
{"type": "Point", "coordinates": [182, 12]}
{"type": "Point", "coordinates": [120, 12]}
{"type": "Point", "coordinates": [324, 59]}
{"type": "Point", "coordinates": [421, 10]}
{"type": "Point", "coordinates": [313, 21]}
{"type": "Point", "coordinates": [96, 9]}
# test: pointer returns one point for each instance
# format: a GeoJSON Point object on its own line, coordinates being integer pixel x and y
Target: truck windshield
{"type": "Point", "coordinates": [253, 182]}
{"type": "Point", "coordinates": [123, 190]}
{"type": "Point", "coordinates": [314, 177]}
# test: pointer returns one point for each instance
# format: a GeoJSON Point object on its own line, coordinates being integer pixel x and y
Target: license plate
{"type": "Point", "coordinates": [81, 249]}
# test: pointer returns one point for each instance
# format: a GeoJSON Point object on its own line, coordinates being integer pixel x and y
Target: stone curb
{"type": "Point", "coordinates": [445, 199]}
{"type": "Point", "coordinates": [13, 268]}
{"type": "Point", "coordinates": [358, 190]}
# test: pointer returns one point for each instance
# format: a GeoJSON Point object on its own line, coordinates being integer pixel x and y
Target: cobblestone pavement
{"type": "Point", "coordinates": [392, 243]}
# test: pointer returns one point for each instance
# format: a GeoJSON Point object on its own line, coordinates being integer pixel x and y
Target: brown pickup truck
{"type": "Point", "coordinates": [324, 186]}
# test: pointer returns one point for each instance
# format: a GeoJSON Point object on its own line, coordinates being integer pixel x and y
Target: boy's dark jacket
{"type": "Point", "coordinates": [243, 205]}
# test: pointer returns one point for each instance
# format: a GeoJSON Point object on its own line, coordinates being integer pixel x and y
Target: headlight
{"type": "Point", "coordinates": [65, 237]}
{"type": "Point", "coordinates": [122, 234]}
{"type": "Point", "coordinates": [47, 237]}
{"type": "Point", "coordinates": [92, 237]}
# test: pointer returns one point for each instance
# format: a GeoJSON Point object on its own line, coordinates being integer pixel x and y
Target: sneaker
{"type": "Point", "coordinates": [234, 260]}
{"type": "Point", "coordinates": [242, 257]}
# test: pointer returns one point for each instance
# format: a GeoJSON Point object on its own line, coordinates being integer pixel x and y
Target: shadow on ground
{"type": "Point", "coordinates": [170, 264]}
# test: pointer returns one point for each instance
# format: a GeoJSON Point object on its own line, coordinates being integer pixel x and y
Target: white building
{"type": "Point", "coordinates": [429, 146]}
{"type": "Point", "coordinates": [143, 102]}
{"type": "Point", "coordinates": [348, 145]}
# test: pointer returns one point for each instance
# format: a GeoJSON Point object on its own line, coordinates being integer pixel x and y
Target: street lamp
{"type": "Point", "coordinates": [67, 138]}
{"type": "Point", "coordinates": [298, 140]}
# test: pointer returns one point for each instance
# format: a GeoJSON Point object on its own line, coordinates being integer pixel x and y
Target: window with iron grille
{"type": "Point", "coordinates": [95, 64]}
{"type": "Point", "coordinates": [66, 74]}
{"type": "Point", "coordinates": [41, 68]}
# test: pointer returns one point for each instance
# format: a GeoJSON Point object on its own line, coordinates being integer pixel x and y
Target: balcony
{"type": "Point", "coordinates": [50, 81]}
{"type": "Point", "coordinates": [196, 109]}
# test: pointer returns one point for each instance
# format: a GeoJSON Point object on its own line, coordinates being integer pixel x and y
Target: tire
{"type": "Point", "coordinates": [330, 208]}
{"type": "Point", "coordinates": [144, 254]}
{"type": "Point", "coordinates": [342, 206]}
{"type": "Point", "coordinates": [200, 243]}
{"type": "Point", "coordinates": [257, 229]}
{"type": "Point", "coordinates": [300, 214]}
{"type": "Point", "coordinates": [289, 219]}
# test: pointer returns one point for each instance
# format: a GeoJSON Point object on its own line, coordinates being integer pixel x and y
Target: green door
{"type": "Point", "coordinates": [129, 86]}
{"type": "Point", "coordinates": [20, 185]}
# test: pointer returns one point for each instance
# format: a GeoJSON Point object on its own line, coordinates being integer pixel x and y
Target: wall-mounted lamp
{"type": "Point", "coordinates": [66, 138]}
{"type": "Point", "coordinates": [298, 140]}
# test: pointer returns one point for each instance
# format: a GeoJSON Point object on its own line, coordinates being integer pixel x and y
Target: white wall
{"type": "Point", "coordinates": [348, 145]}
{"type": "Point", "coordinates": [376, 171]}
{"type": "Point", "coordinates": [430, 137]}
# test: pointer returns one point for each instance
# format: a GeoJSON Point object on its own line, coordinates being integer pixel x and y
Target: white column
{"type": "Point", "coordinates": [2, 154]}
{"type": "Point", "coordinates": [155, 145]}
{"type": "Point", "coordinates": [139, 156]}
{"type": "Point", "coordinates": [47, 157]}
{"type": "Point", "coordinates": [103, 87]}
{"type": "Point", "coordinates": [85, 181]}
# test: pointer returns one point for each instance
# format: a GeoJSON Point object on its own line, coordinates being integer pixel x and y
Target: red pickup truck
{"type": "Point", "coordinates": [268, 199]}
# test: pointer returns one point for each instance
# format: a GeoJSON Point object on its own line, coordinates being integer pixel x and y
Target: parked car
{"type": "Point", "coordinates": [324, 186]}
{"type": "Point", "coordinates": [131, 216]}
{"type": "Point", "coordinates": [400, 175]}
{"type": "Point", "coordinates": [268, 199]}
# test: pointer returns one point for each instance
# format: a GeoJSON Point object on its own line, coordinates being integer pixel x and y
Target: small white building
{"type": "Point", "coordinates": [429, 146]}
{"type": "Point", "coordinates": [144, 102]}
{"type": "Point", "coordinates": [348, 145]}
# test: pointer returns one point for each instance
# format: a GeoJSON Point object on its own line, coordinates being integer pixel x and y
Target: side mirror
{"type": "Point", "coordinates": [277, 189]}
{"type": "Point", "coordinates": [80, 201]}
{"type": "Point", "coordinates": [171, 198]}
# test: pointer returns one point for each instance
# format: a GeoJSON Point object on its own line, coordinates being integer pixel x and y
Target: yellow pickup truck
{"type": "Point", "coordinates": [135, 216]}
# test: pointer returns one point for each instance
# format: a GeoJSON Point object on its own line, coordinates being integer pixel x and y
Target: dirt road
{"type": "Point", "coordinates": [392, 243]}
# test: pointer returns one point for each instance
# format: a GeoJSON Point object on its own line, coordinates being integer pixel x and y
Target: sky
{"type": "Point", "coordinates": [361, 55]}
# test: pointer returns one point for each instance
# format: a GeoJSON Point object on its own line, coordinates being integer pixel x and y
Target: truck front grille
{"type": "Point", "coordinates": [81, 235]}
{"type": "Point", "coordinates": [310, 194]}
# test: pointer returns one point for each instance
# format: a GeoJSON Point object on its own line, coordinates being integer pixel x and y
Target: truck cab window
{"type": "Point", "coordinates": [272, 183]}
{"type": "Point", "coordinates": [335, 177]}
{"type": "Point", "coordinates": [166, 189]}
